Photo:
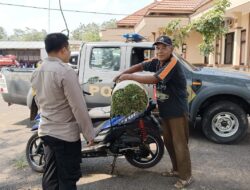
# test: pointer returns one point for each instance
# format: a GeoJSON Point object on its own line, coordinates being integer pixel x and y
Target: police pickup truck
{"type": "Point", "coordinates": [221, 99]}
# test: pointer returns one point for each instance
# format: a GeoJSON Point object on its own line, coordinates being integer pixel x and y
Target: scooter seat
{"type": "Point", "coordinates": [100, 112]}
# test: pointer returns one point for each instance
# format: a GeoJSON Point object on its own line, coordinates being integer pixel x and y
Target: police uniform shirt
{"type": "Point", "coordinates": [64, 112]}
{"type": "Point", "coordinates": [171, 89]}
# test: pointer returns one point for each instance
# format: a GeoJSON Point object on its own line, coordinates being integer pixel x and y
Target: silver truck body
{"type": "Point", "coordinates": [93, 69]}
{"type": "Point", "coordinates": [17, 82]}
{"type": "Point", "coordinates": [99, 80]}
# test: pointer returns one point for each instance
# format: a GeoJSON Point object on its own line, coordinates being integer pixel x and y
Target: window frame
{"type": "Point", "coordinates": [144, 48]}
{"type": "Point", "coordinates": [103, 47]}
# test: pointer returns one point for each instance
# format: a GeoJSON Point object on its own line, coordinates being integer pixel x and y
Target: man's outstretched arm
{"type": "Point", "coordinates": [145, 79]}
{"type": "Point", "coordinates": [133, 69]}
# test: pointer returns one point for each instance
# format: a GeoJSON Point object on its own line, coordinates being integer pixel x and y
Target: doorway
{"type": "Point", "coordinates": [229, 46]}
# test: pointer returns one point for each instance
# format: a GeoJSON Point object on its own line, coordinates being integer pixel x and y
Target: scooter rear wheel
{"type": "Point", "coordinates": [35, 153]}
{"type": "Point", "coordinates": [149, 154]}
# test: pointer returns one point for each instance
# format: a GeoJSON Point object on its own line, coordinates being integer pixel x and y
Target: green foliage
{"type": "Point", "coordinates": [109, 24]}
{"type": "Point", "coordinates": [128, 100]}
{"type": "Point", "coordinates": [28, 34]}
{"type": "Point", "coordinates": [177, 32]}
{"type": "Point", "coordinates": [3, 34]}
{"type": "Point", "coordinates": [89, 32]}
{"type": "Point", "coordinates": [210, 25]}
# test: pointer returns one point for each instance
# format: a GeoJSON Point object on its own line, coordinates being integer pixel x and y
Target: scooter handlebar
{"type": "Point", "coordinates": [86, 93]}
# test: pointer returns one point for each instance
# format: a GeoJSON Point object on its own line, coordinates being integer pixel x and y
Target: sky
{"type": "Point", "coordinates": [12, 17]}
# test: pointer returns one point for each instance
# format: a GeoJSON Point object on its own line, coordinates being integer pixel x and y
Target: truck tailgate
{"type": "Point", "coordinates": [15, 85]}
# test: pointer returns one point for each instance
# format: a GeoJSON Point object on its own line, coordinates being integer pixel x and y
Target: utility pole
{"type": "Point", "coordinates": [49, 18]}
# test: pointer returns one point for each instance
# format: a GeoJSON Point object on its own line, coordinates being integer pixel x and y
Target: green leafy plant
{"type": "Point", "coordinates": [210, 26]}
{"type": "Point", "coordinates": [128, 100]}
{"type": "Point", "coordinates": [177, 32]}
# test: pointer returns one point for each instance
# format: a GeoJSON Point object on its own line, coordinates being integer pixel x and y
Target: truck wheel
{"type": "Point", "coordinates": [224, 122]}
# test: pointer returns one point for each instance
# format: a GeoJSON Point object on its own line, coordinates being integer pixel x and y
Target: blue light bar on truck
{"type": "Point", "coordinates": [133, 37]}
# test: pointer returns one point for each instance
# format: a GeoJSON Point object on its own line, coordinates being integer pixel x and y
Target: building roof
{"type": "Point", "coordinates": [185, 6]}
{"type": "Point", "coordinates": [21, 45]}
{"type": "Point", "coordinates": [27, 44]}
{"type": "Point", "coordinates": [134, 18]}
{"type": "Point", "coordinates": [164, 6]}
{"type": "Point", "coordinates": [202, 2]}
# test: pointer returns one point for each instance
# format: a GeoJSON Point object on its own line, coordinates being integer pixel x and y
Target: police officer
{"type": "Point", "coordinates": [64, 115]}
{"type": "Point", "coordinates": [172, 104]}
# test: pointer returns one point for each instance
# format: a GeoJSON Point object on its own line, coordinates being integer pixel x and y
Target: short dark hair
{"type": "Point", "coordinates": [55, 42]}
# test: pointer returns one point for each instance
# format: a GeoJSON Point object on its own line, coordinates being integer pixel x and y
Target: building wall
{"type": "Point", "coordinates": [193, 54]}
{"type": "Point", "coordinates": [43, 53]}
{"type": "Point", "coordinates": [245, 26]}
{"type": "Point", "coordinates": [244, 21]}
{"type": "Point", "coordinates": [150, 27]}
{"type": "Point", "coordinates": [236, 3]}
{"type": "Point", "coordinates": [114, 34]}
{"type": "Point", "coordinates": [241, 23]}
{"type": "Point", "coordinates": [247, 59]}
{"type": "Point", "coordinates": [29, 56]}
{"type": "Point", "coordinates": [207, 6]}
{"type": "Point", "coordinates": [238, 10]}
{"type": "Point", "coordinates": [201, 10]}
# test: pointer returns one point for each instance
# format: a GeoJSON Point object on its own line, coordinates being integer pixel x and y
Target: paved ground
{"type": "Point", "coordinates": [214, 166]}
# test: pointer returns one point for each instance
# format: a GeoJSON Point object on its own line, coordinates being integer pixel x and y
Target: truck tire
{"type": "Point", "coordinates": [224, 122]}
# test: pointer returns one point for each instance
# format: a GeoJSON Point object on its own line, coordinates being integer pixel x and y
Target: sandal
{"type": "Point", "coordinates": [170, 173]}
{"type": "Point", "coordinates": [180, 184]}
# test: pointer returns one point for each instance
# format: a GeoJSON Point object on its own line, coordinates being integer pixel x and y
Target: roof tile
{"type": "Point", "coordinates": [166, 6]}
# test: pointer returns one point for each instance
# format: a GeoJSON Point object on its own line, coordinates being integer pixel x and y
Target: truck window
{"type": "Point", "coordinates": [105, 58]}
{"type": "Point", "coordinates": [140, 54]}
{"type": "Point", "coordinates": [73, 59]}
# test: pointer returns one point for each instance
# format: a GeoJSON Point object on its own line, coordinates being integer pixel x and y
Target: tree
{"type": "Point", "coordinates": [210, 26]}
{"type": "Point", "coordinates": [109, 24]}
{"type": "Point", "coordinates": [89, 32]}
{"type": "Point", "coordinates": [177, 32]}
{"type": "Point", "coordinates": [3, 34]}
{"type": "Point", "coordinates": [28, 34]}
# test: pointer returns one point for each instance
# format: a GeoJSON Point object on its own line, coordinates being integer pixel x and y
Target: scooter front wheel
{"type": "Point", "coordinates": [35, 153]}
{"type": "Point", "coordinates": [149, 154]}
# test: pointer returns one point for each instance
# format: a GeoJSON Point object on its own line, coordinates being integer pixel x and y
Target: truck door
{"type": "Point", "coordinates": [101, 66]}
{"type": "Point", "coordinates": [139, 54]}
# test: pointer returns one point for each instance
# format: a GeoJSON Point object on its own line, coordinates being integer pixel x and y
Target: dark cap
{"type": "Point", "coordinates": [163, 40]}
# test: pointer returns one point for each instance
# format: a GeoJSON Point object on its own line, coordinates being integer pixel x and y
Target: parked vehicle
{"type": "Point", "coordinates": [8, 61]}
{"type": "Point", "coordinates": [137, 137]}
{"type": "Point", "coordinates": [15, 83]}
{"type": "Point", "coordinates": [221, 99]}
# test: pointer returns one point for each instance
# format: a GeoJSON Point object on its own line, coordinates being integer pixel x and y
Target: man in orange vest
{"type": "Point", "coordinates": [172, 103]}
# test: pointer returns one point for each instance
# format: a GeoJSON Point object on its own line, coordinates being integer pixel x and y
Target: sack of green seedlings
{"type": "Point", "coordinates": [128, 97]}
